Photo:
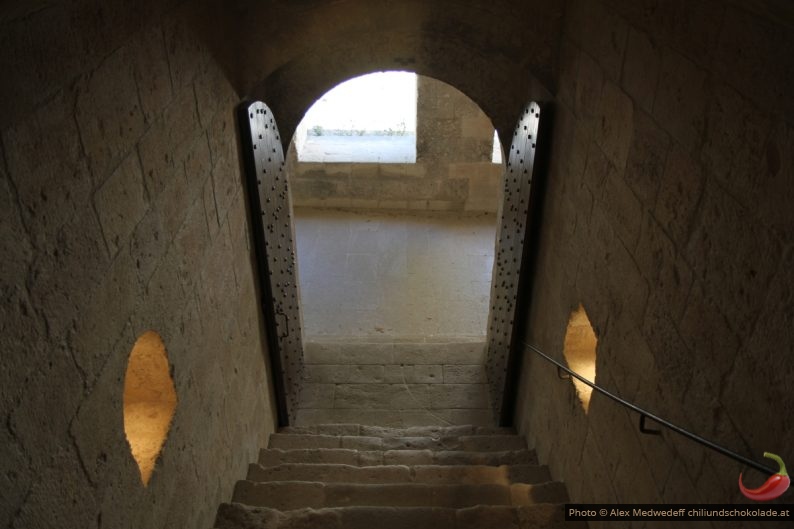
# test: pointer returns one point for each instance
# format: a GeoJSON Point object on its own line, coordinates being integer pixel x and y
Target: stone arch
{"type": "Point", "coordinates": [500, 55]}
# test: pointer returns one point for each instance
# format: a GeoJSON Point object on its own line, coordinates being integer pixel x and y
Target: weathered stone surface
{"type": "Point", "coordinates": [750, 57]}
{"type": "Point", "coordinates": [464, 374]}
{"type": "Point", "coordinates": [151, 72]}
{"type": "Point", "coordinates": [614, 135]}
{"type": "Point", "coordinates": [51, 179]}
{"type": "Point", "coordinates": [624, 211]}
{"type": "Point", "coordinates": [663, 267]}
{"type": "Point", "coordinates": [166, 143]}
{"type": "Point", "coordinates": [121, 203]}
{"type": "Point", "coordinates": [681, 100]}
{"type": "Point", "coordinates": [108, 113]}
{"type": "Point", "coordinates": [641, 69]}
{"type": "Point", "coordinates": [723, 246]}
{"type": "Point", "coordinates": [597, 30]}
{"type": "Point", "coordinates": [589, 83]}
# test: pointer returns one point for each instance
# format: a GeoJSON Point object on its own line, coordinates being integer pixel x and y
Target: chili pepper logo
{"type": "Point", "coordinates": [776, 485]}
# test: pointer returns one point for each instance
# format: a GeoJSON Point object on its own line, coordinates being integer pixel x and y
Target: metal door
{"type": "Point", "coordinates": [514, 260]}
{"type": "Point", "coordinates": [270, 210]}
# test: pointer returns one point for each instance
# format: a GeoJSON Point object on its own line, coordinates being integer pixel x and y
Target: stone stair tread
{"type": "Point", "coordinates": [429, 474]}
{"type": "Point", "coordinates": [479, 443]}
{"type": "Point", "coordinates": [539, 516]}
{"type": "Point", "coordinates": [289, 495]}
{"type": "Point", "coordinates": [349, 456]}
{"type": "Point", "coordinates": [385, 431]}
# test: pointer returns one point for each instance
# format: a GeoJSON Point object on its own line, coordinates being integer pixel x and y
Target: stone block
{"type": "Point", "coordinates": [17, 475]}
{"type": "Point", "coordinates": [735, 143]}
{"type": "Point", "coordinates": [477, 126]}
{"type": "Point", "coordinates": [19, 322]}
{"type": "Point", "coordinates": [752, 55]}
{"type": "Point", "coordinates": [186, 52]}
{"type": "Point", "coordinates": [327, 374]}
{"type": "Point", "coordinates": [450, 396]}
{"type": "Point", "coordinates": [393, 204]}
{"type": "Point", "coordinates": [663, 267]}
{"type": "Point", "coordinates": [282, 496]}
{"type": "Point", "coordinates": [463, 353]}
{"type": "Point", "coordinates": [423, 374]}
{"type": "Point", "coordinates": [211, 85]}
{"type": "Point", "coordinates": [366, 374]}
{"type": "Point", "coordinates": [62, 491]}
{"type": "Point", "coordinates": [727, 244]}
{"type": "Point", "coordinates": [210, 209]}
{"type": "Point", "coordinates": [589, 83]}
{"type": "Point", "coordinates": [227, 182]}
{"type": "Point", "coordinates": [64, 278]}
{"type": "Point", "coordinates": [121, 203]}
{"type": "Point", "coordinates": [98, 427]}
{"type": "Point", "coordinates": [109, 96]}
{"type": "Point", "coordinates": [56, 383]}
{"type": "Point", "coordinates": [42, 57]}
{"type": "Point", "coordinates": [190, 243]}
{"type": "Point", "coordinates": [168, 141]}
{"type": "Point", "coordinates": [374, 396]}
{"type": "Point", "coordinates": [600, 32]}
{"type": "Point", "coordinates": [673, 360]}
{"type": "Point", "coordinates": [314, 188]}
{"type": "Point", "coordinates": [681, 99]}
{"type": "Point", "coordinates": [707, 333]}
{"type": "Point", "coordinates": [151, 72]}
{"type": "Point", "coordinates": [641, 69]}
{"type": "Point", "coordinates": [391, 170]}
{"type": "Point", "coordinates": [464, 374]}
{"type": "Point", "coordinates": [198, 164]}
{"type": "Point", "coordinates": [148, 244]}
{"type": "Point", "coordinates": [442, 205]}
{"type": "Point", "coordinates": [614, 134]}
{"type": "Point", "coordinates": [415, 170]}
{"type": "Point", "coordinates": [646, 159]}
{"type": "Point", "coordinates": [316, 396]}
{"type": "Point", "coordinates": [679, 195]}
{"type": "Point", "coordinates": [628, 290]}
{"type": "Point", "coordinates": [364, 170]}
{"type": "Point", "coordinates": [388, 518]}
{"type": "Point", "coordinates": [359, 203]}
{"type": "Point", "coordinates": [44, 162]}
{"type": "Point", "coordinates": [622, 208]}
{"type": "Point", "coordinates": [103, 319]}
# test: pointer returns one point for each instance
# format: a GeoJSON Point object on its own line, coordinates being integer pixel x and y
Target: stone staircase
{"type": "Point", "coordinates": [363, 477]}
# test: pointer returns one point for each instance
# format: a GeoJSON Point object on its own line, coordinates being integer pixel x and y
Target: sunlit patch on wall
{"type": "Point", "coordinates": [149, 401]}
{"type": "Point", "coordinates": [580, 352]}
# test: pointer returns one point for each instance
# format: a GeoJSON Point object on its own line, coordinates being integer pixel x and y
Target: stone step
{"type": "Point", "coordinates": [540, 516]}
{"type": "Point", "coordinates": [275, 456]}
{"type": "Point", "coordinates": [290, 495]}
{"type": "Point", "coordinates": [382, 431]}
{"type": "Point", "coordinates": [470, 443]}
{"type": "Point", "coordinates": [421, 353]}
{"type": "Point", "coordinates": [428, 474]}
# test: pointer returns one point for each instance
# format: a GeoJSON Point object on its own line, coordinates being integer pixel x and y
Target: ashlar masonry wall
{"type": "Point", "coordinates": [453, 169]}
{"type": "Point", "coordinates": [121, 211]}
{"type": "Point", "coordinates": [667, 217]}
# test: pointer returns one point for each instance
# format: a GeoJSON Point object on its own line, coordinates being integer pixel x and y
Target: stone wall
{"type": "Point", "coordinates": [122, 211]}
{"type": "Point", "coordinates": [453, 169]}
{"type": "Point", "coordinates": [667, 217]}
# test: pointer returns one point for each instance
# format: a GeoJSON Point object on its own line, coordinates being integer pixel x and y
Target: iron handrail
{"type": "Point", "coordinates": [655, 418]}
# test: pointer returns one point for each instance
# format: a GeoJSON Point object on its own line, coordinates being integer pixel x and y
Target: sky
{"type": "Point", "coordinates": [377, 101]}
